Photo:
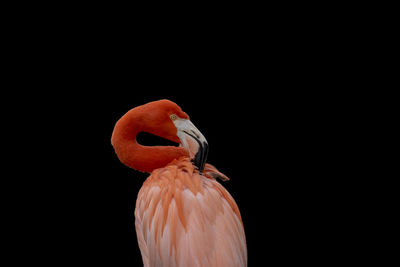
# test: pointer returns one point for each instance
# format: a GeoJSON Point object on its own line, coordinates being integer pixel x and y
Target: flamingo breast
{"type": "Point", "coordinates": [183, 218]}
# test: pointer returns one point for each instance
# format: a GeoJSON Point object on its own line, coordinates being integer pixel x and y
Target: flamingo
{"type": "Point", "coordinates": [183, 215]}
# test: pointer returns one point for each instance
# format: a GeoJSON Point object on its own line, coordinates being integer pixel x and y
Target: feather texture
{"type": "Point", "coordinates": [184, 218]}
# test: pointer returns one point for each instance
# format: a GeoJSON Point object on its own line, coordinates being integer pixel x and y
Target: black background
{"type": "Point", "coordinates": [270, 144]}
{"type": "Point", "coordinates": [275, 144]}
{"type": "Point", "coordinates": [288, 97]}
{"type": "Point", "coordinates": [268, 106]}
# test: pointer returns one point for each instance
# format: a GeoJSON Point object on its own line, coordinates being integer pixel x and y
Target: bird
{"type": "Point", "coordinates": [183, 215]}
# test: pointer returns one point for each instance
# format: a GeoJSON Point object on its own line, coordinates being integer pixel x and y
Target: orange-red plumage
{"type": "Point", "coordinates": [183, 217]}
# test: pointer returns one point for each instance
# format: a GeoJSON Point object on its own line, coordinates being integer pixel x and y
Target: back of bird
{"type": "Point", "coordinates": [184, 218]}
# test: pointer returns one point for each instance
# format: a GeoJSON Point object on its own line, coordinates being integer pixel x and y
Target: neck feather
{"type": "Point", "coordinates": [136, 156]}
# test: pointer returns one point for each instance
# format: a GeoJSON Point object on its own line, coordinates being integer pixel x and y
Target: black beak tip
{"type": "Point", "coordinates": [200, 158]}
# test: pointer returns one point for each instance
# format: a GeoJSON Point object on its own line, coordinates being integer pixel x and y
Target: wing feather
{"type": "Point", "coordinates": [195, 228]}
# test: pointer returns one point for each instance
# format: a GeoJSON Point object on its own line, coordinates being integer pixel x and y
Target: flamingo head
{"type": "Point", "coordinates": [166, 119]}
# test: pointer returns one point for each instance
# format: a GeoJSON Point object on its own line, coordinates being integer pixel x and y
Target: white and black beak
{"type": "Point", "coordinates": [193, 141]}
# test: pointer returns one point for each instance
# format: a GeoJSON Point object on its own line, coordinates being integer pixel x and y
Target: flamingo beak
{"type": "Point", "coordinates": [193, 141]}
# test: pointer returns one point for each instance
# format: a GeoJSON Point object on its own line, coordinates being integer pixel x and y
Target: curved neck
{"type": "Point", "coordinates": [136, 156]}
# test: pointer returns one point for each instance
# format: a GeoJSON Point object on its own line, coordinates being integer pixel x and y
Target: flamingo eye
{"type": "Point", "coordinates": [173, 117]}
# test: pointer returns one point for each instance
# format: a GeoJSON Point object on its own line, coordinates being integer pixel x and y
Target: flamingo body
{"type": "Point", "coordinates": [183, 216]}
